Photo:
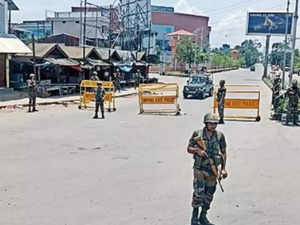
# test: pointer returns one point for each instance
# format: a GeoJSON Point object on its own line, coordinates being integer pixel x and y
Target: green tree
{"type": "Point", "coordinates": [277, 54]}
{"type": "Point", "coordinates": [185, 51]}
{"type": "Point", "coordinates": [249, 52]}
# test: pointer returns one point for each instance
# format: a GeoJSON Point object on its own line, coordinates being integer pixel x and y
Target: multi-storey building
{"type": "Point", "coordinates": [97, 23]}
{"type": "Point", "coordinates": [165, 20]}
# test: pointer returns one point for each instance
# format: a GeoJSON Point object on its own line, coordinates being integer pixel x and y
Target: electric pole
{"type": "Point", "coordinates": [285, 43]}
{"type": "Point", "coordinates": [293, 43]}
{"type": "Point", "coordinates": [84, 30]}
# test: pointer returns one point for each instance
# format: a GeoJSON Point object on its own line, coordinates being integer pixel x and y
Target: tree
{"type": "Point", "coordinates": [185, 51]}
{"type": "Point", "coordinates": [277, 54]}
{"type": "Point", "coordinates": [249, 51]}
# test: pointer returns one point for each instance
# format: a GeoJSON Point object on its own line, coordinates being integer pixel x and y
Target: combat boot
{"type": "Point", "coordinates": [203, 219]}
{"type": "Point", "coordinates": [96, 116]}
{"type": "Point", "coordinates": [221, 121]}
{"type": "Point", "coordinates": [195, 220]}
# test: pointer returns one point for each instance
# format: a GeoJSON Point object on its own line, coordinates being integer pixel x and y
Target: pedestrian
{"type": "Point", "coordinates": [293, 94]}
{"type": "Point", "coordinates": [117, 81]}
{"type": "Point", "coordinates": [99, 100]}
{"type": "Point", "coordinates": [32, 93]}
{"type": "Point", "coordinates": [208, 157]}
{"type": "Point", "coordinates": [95, 76]}
{"type": "Point", "coordinates": [221, 94]}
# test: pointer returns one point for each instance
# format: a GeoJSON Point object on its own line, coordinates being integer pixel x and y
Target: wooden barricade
{"type": "Point", "coordinates": [159, 94]}
{"type": "Point", "coordinates": [88, 90]}
{"type": "Point", "coordinates": [239, 102]}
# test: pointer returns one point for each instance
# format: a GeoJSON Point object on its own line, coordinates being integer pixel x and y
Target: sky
{"type": "Point", "coordinates": [226, 17]}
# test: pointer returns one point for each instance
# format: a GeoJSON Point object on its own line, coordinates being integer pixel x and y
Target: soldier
{"type": "Point", "coordinates": [221, 100]}
{"type": "Point", "coordinates": [99, 99]}
{"type": "Point", "coordinates": [293, 93]}
{"type": "Point", "coordinates": [32, 92]}
{"type": "Point", "coordinates": [208, 156]}
{"type": "Point", "coordinates": [95, 76]}
{"type": "Point", "coordinates": [276, 90]}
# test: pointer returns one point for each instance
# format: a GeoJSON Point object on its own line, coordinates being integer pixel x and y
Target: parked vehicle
{"type": "Point", "coordinates": [198, 86]}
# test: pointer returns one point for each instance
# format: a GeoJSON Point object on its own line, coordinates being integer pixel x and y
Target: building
{"type": "Point", "coordinates": [39, 28]}
{"type": "Point", "coordinates": [165, 20]}
{"type": "Point", "coordinates": [6, 6]}
{"type": "Point", "coordinates": [9, 45]}
{"type": "Point", "coordinates": [97, 23]}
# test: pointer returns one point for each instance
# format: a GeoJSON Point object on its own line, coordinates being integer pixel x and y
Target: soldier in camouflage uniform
{"type": "Point", "coordinates": [99, 99]}
{"type": "Point", "coordinates": [276, 91]}
{"type": "Point", "coordinates": [293, 93]}
{"type": "Point", "coordinates": [32, 93]}
{"type": "Point", "coordinates": [205, 180]}
{"type": "Point", "coordinates": [221, 100]}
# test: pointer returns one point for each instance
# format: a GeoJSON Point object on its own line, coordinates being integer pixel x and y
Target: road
{"type": "Point", "coordinates": [60, 167]}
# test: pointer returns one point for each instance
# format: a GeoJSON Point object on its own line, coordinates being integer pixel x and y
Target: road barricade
{"type": "Point", "coordinates": [159, 94]}
{"type": "Point", "coordinates": [88, 91]}
{"type": "Point", "coordinates": [242, 98]}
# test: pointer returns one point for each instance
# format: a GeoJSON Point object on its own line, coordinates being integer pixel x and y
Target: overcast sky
{"type": "Point", "coordinates": [227, 17]}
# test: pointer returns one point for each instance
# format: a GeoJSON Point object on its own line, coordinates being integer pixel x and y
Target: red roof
{"type": "Point", "coordinates": [181, 33]}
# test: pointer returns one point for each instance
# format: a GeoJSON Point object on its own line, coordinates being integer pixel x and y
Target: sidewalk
{"type": "Point", "coordinates": [58, 99]}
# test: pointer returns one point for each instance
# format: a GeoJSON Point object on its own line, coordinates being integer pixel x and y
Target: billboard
{"type": "Point", "coordinates": [273, 23]}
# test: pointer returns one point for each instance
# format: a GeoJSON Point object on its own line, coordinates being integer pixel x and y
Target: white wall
{"type": "Point", "coordinates": [3, 17]}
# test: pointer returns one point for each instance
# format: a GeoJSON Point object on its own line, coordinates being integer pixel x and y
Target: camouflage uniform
{"type": "Point", "coordinates": [99, 99]}
{"type": "Point", "coordinates": [221, 100]}
{"type": "Point", "coordinates": [293, 93]}
{"type": "Point", "coordinates": [204, 180]}
{"type": "Point", "coordinates": [32, 93]}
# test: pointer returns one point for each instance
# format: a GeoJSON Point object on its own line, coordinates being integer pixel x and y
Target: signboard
{"type": "Point", "coordinates": [158, 99]}
{"type": "Point", "coordinates": [273, 23]}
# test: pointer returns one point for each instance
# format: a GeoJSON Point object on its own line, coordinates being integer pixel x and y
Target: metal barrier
{"type": "Point", "coordinates": [87, 93]}
{"type": "Point", "coordinates": [159, 94]}
{"type": "Point", "coordinates": [239, 103]}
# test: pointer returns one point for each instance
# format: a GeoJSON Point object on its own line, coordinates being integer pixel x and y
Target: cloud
{"type": "Point", "coordinates": [187, 6]}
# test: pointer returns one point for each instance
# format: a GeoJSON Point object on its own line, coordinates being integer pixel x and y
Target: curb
{"type": "Point", "coordinates": [57, 102]}
{"type": "Point", "coordinates": [185, 75]}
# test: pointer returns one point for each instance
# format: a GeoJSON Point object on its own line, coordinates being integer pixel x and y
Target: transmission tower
{"type": "Point", "coordinates": [135, 22]}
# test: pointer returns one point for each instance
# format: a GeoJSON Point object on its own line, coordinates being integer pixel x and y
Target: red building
{"type": "Point", "coordinates": [167, 22]}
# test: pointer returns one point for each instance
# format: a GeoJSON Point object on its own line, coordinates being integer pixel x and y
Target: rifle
{"type": "Point", "coordinates": [213, 166]}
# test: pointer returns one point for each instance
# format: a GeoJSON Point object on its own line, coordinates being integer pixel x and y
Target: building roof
{"type": "Point", "coordinates": [104, 53]}
{"type": "Point", "coordinates": [12, 45]}
{"type": "Point", "coordinates": [181, 33]}
{"type": "Point", "coordinates": [63, 62]}
{"type": "Point", "coordinates": [43, 49]}
{"type": "Point", "coordinates": [75, 52]}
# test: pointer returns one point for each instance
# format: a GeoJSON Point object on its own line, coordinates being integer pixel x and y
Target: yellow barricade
{"type": "Point", "coordinates": [88, 89]}
{"type": "Point", "coordinates": [239, 103]}
{"type": "Point", "coordinates": [159, 94]}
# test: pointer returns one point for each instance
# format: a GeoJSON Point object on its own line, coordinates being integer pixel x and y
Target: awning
{"type": "Point", "coordinates": [63, 62]}
{"type": "Point", "coordinates": [125, 68]}
{"type": "Point", "coordinates": [140, 64]}
{"type": "Point", "coordinates": [11, 45]}
{"type": "Point", "coordinates": [95, 62]}
{"type": "Point", "coordinates": [77, 68]}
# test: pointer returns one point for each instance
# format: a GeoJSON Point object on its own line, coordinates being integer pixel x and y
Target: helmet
{"type": "Point", "coordinates": [31, 75]}
{"type": "Point", "coordinates": [210, 118]}
{"type": "Point", "coordinates": [294, 83]}
{"type": "Point", "coordinates": [99, 83]}
{"type": "Point", "coordinates": [222, 82]}
{"type": "Point", "coordinates": [95, 73]}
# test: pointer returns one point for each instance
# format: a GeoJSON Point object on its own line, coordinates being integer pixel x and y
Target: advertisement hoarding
{"type": "Point", "coordinates": [273, 23]}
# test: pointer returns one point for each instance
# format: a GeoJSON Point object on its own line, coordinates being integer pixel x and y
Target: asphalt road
{"type": "Point", "coordinates": [60, 167]}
